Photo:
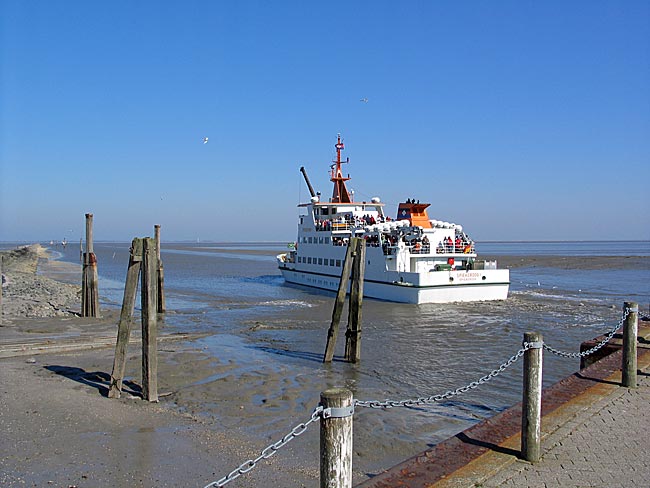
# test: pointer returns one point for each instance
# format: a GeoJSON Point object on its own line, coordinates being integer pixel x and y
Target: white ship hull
{"type": "Point", "coordinates": [441, 287]}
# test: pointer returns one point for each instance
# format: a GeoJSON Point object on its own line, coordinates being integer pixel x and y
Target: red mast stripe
{"type": "Point", "coordinates": [340, 194]}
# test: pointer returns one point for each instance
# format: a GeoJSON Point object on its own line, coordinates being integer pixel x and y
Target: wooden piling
{"type": "Point", "coordinates": [89, 285]}
{"type": "Point", "coordinates": [353, 332]}
{"type": "Point", "coordinates": [336, 439]}
{"type": "Point", "coordinates": [333, 331]}
{"type": "Point", "coordinates": [126, 318]}
{"type": "Point", "coordinates": [148, 294]}
{"type": "Point", "coordinates": [630, 332]}
{"type": "Point", "coordinates": [531, 410]}
{"type": "Point", "coordinates": [159, 273]}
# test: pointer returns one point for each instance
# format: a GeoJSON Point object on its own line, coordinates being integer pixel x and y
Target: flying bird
{"type": "Point", "coordinates": [205, 140]}
{"type": "Point", "coordinates": [364, 100]}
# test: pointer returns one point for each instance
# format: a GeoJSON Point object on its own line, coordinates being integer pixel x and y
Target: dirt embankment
{"type": "Point", "coordinates": [25, 293]}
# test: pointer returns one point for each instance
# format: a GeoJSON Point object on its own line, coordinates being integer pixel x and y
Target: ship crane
{"type": "Point", "coordinates": [311, 188]}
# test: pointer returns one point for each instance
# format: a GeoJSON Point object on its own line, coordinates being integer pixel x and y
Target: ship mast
{"type": "Point", "coordinates": [340, 194]}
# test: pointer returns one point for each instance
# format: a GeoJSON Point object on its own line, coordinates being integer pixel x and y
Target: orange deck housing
{"type": "Point", "coordinates": [416, 213]}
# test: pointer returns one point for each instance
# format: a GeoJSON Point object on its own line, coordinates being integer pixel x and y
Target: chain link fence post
{"type": "Point", "coordinates": [336, 438]}
{"type": "Point", "coordinates": [531, 409]}
{"type": "Point", "coordinates": [630, 328]}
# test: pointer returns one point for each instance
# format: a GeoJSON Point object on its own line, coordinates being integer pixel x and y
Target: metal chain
{"type": "Point", "coordinates": [246, 466]}
{"type": "Point", "coordinates": [267, 452]}
{"type": "Point", "coordinates": [447, 394]}
{"type": "Point", "coordinates": [586, 353]}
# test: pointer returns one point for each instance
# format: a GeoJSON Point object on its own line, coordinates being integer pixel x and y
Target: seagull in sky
{"type": "Point", "coordinates": [205, 140]}
{"type": "Point", "coordinates": [364, 100]}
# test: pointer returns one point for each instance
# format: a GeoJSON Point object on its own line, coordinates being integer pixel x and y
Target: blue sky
{"type": "Point", "coordinates": [520, 120]}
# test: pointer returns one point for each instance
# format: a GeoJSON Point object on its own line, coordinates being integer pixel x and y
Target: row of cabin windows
{"type": "Point", "coordinates": [324, 211]}
{"type": "Point", "coordinates": [315, 240]}
{"type": "Point", "coordinates": [320, 261]}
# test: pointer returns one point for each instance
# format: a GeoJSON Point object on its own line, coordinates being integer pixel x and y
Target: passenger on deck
{"type": "Point", "coordinates": [449, 245]}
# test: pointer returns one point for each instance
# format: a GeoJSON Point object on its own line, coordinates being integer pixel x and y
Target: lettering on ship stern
{"type": "Point", "coordinates": [468, 277]}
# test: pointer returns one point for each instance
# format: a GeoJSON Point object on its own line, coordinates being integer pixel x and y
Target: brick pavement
{"type": "Point", "coordinates": [608, 445]}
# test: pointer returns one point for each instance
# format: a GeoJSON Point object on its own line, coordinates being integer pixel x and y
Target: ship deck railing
{"type": "Point", "coordinates": [327, 226]}
{"type": "Point", "coordinates": [450, 251]}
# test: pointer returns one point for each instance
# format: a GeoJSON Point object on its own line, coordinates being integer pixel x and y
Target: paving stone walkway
{"type": "Point", "coordinates": [606, 446]}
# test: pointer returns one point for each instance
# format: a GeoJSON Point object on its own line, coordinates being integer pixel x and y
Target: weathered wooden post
{"type": "Point", "coordinates": [126, 316]}
{"type": "Point", "coordinates": [149, 294]}
{"type": "Point", "coordinates": [630, 331]}
{"type": "Point", "coordinates": [353, 332]}
{"type": "Point", "coordinates": [336, 438]}
{"type": "Point", "coordinates": [531, 409]}
{"type": "Point", "coordinates": [89, 287]}
{"type": "Point", "coordinates": [81, 250]}
{"type": "Point", "coordinates": [160, 274]}
{"type": "Point", "coordinates": [333, 331]}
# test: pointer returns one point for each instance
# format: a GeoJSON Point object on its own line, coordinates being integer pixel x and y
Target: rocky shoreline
{"type": "Point", "coordinates": [27, 294]}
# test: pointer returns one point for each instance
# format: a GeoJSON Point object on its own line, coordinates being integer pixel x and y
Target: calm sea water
{"type": "Point", "coordinates": [408, 351]}
{"type": "Point", "coordinates": [563, 248]}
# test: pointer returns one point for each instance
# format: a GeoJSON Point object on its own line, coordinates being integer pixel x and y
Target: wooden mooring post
{"type": "Point", "coordinates": [336, 438]}
{"type": "Point", "coordinates": [126, 317]}
{"type": "Point", "coordinates": [353, 332]}
{"type": "Point", "coordinates": [160, 274]}
{"type": "Point", "coordinates": [89, 279]}
{"type": "Point", "coordinates": [149, 295]}
{"type": "Point", "coordinates": [355, 262]}
{"type": "Point", "coordinates": [143, 263]}
{"type": "Point", "coordinates": [531, 409]}
{"type": "Point", "coordinates": [630, 333]}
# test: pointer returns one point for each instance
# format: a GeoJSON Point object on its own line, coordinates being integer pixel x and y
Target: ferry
{"type": "Point", "coordinates": [409, 258]}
